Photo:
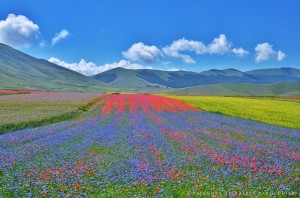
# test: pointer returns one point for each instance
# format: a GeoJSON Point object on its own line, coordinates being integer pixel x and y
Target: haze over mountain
{"type": "Point", "coordinates": [21, 71]}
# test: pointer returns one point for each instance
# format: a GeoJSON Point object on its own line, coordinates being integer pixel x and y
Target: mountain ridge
{"type": "Point", "coordinates": [277, 89]}
{"type": "Point", "coordinates": [21, 71]}
{"type": "Point", "coordinates": [180, 79]}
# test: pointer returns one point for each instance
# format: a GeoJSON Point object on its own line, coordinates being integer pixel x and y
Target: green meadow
{"type": "Point", "coordinates": [19, 111]}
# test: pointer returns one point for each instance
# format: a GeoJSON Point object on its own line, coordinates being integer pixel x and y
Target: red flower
{"type": "Point", "coordinates": [156, 189]}
{"type": "Point", "coordinates": [76, 186]}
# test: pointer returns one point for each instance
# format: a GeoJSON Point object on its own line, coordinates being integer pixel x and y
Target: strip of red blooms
{"type": "Point", "coordinates": [147, 103]}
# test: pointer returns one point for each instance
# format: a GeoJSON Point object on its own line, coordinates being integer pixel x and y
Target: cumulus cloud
{"type": "Point", "coordinates": [90, 68]}
{"type": "Point", "coordinates": [219, 45]}
{"type": "Point", "coordinates": [143, 53]}
{"type": "Point", "coordinates": [86, 68]}
{"type": "Point", "coordinates": [280, 55]}
{"type": "Point", "coordinates": [184, 45]}
{"type": "Point", "coordinates": [264, 52]}
{"type": "Point", "coordinates": [124, 64]}
{"type": "Point", "coordinates": [59, 36]}
{"type": "Point", "coordinates": [18, 31]}
{"type": "Point", "coordinates": [240, 52]}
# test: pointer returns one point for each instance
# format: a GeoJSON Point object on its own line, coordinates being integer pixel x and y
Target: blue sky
{"type": "Point", "coordinates": [192, 35]}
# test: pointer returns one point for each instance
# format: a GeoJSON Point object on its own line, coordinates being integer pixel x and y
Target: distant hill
{"type": "Point", "coordinates": [21, 71]}
{"type": "Point", "coordinates": [121, 77]}
{"type": "Point", "coordinates": [284, 74]}
{"type": "Point", "coordinates": [179, 79]}
{"type": "Point", "coordinates": [278, 89]}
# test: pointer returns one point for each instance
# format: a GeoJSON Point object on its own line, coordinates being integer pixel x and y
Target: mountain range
{"type": "Point", "coordinates": [277, 89]}
{"type": "Point", "coordinates": [21, 71]}
{"type": "Point", "coordinates": [180, 79]}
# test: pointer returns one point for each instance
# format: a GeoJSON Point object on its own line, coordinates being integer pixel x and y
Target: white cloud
{"type": "Point", "coordinates": [264, 52]}
{"type": "Point", "coordinates": [186, 58]}
{"type": "Point", "coordinates": [240, 52]}
{"type": "Point", "coordinates": [59, 36]}
{"type": "Point", "coordinates": [124, 64]}
{"type": "Point", "coordinates": [86, 68]}
{"type": "Point", "coordinates": [90, 68]}
{"type": "Point", "coordinates": [174, 69]}
{"type": "Point", "coordinates": [219, 45]}
{"type": "Point", "coordinates": [280, 55]}
{"type": "Point", "coordinates": [143, 53]}
{"type": "Point", "coordinates": [18, 31]}
{"type": "Point", "coordinates": [184, 45]}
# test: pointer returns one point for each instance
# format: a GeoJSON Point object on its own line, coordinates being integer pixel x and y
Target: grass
{"type": "Point", "coordinates": [6, 128]}
{"type": "Point", "coordinates": [31, 110]}
{"type": "Point", "coordinates": [275, 111]}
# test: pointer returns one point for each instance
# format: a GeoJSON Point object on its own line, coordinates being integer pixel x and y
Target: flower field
{"type": "Point", "coordinates": [9, 91]}
{"type": "Point", "coordinates": [150, 146]}
{"type": "Point", "coordinates": [280, 111]}
{"type": "Point", "coordinates": [36, 108]}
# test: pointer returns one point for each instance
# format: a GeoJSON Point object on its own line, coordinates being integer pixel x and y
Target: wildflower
{"type": "Point", "coordinates": [76, 186]}
{"type": "Point", "coordinates": [156, 189]}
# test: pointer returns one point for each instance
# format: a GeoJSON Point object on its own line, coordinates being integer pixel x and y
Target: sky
{"type": "Point", "coordinates": [93, 36]}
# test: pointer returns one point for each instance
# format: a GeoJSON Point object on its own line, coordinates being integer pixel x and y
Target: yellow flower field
{"type": "Point", "coordinates": [276, 111]}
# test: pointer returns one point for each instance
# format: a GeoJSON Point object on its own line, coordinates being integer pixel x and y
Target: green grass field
{"type": "Point", "coordinates": [19, 111]}
{"type": "Point", "coordinates": [275, 111]}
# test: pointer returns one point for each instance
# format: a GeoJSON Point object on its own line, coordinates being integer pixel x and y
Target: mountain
{"type": "Point", "coordinates": [273, 75]}
{"type": "Point", "coordinates": [21, 71]}
{"type": "Point", "coordinates": [278, 89]}
{"type": "Point", "coordinates": [179, 79]}
{"type": "Point", "coordinates": [121, 77]}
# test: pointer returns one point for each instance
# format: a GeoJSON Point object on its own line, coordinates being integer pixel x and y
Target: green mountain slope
{"type": "Point", "coordinates": [289, 89]}
{"type": "Point", "coordinates": [21, 71]}
{"type": "Point", "coordinates": [180, 79]}
{"type": "Point", "coordinates": [273, 75]}
{"type": "Point", "coordinates": [120, 77]}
